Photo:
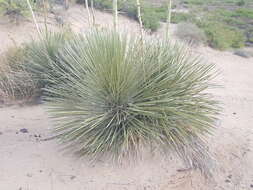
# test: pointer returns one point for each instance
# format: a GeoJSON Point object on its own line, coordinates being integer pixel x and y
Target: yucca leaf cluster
{"type": "Point", "coordinates": [116, 95]}
{"type": "Point", "coordinates": [42, 53]}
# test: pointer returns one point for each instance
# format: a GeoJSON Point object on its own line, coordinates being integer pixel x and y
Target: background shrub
{"type": "Point", "coordinates": [14, 9]}
{"type": "Point", "coordinates": [241, 3]}
{"type": "Point", "coordinates": [177, 17]}
{"type": "Point", "coordinates": [244, 12]}
{"type": "Point", "coordinates": [24, 70]}
{"type": "Point", "coordinates": [151, 19]}
{"type": "Point", "coordinates": [15, 82]}
{"type": "Point", "coordinates": [119, 96]}
{"type": "Point", "coordinates": [223, 37]}
{"type": "Point", "coordinates": [191, 34]}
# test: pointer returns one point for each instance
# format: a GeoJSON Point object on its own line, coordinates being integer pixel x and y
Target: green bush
{"type": "Point", "coordinates": [150, 19]}
{"type": "Point", "coordinates": [223, 37]}
{"type": "Point", "coordinates": [194, 2]}
{"type": "Point", "coordinates": [180, 17]}
{"type": "Point", "coordinates": [129, 8]}
{"type": "Point", "coordinates": [238, 39]}
{"type": "Point", "coordinates": [244, 12]}
{"type": "Point", "coordinates": [119, 96]}
{"type": "Point", "coordinates": [241, 3]}
{"type": "Point", "coordinates": [106, 4]}
{"type": "Point", "coordinates": [249, 35]}
{"type": "Point", "coordinates": [103, 4]}
{"type": "Point", "coordinates": [14, 9]}
{"type": "Point", "coordinates": [162, 10]}
{"type": "Point", "coordinates": [176, 17]}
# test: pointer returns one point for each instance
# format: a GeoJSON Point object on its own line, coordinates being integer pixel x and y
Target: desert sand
{"type": "Point", "coordinates": [28, 162]}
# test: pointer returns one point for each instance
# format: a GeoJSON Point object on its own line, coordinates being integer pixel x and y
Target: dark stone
{"type": "Point", "coordinates": [72, 177]}
{"type": "Point", "coordinates": [230, 176]}
{"type": "Point", "coordinates": [251, 186]}
{"type": "Point", "coordinates": [227, 181]}
{"type": "Point", "coordinates": [24, 130]}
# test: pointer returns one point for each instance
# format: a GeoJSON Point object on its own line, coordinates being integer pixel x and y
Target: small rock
{"type": "Point", "coordinates": [24, 130]}
{"type": "Point", "coordinates": [1, 133]}
{"type": "Point", "coordinates": [183, 170]}
{"type": "Point", "coordinates": [16, 132]}
{"type": "Point", "coordinates": [72, 177]}
{"type": "Point", "coordinates": [29, 175]}
{"type": "Point", "coordinates": [40, 171]}
{"type": "Point", "coordinates": [230, 176]}
{"type": "Point", "coordinates": [227, 181]}
{"type": "Point", "coordinates": [251, 186]}
{"type": "Point", "coordinates": [234, 113]}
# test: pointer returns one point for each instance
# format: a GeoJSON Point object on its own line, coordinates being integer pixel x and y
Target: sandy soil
{"type": "Point", "coordinates": [27, 162]}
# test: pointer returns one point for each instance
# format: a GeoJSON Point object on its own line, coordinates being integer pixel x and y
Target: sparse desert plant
{"type": "Point", "coordinates": [113, 96]}
{"type": "Point", "coordinates": [15, 82]}
{"type": "Point", "coordinates": [191, 34]}
{"type": "Point", "coordinates": [24, 70]}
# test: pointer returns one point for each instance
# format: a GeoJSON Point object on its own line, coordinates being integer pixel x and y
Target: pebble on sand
{"type": "Point", "coordinates": [24, 130]}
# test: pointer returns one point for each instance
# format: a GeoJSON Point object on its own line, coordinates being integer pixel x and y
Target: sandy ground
{"type": "Point", "coordinates": [29, 163]}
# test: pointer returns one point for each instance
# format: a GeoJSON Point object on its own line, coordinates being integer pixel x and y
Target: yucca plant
{"type": "Point", "coordinates": [114, 96]}
{"type": "Point", "coordinates": [40, 54]}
